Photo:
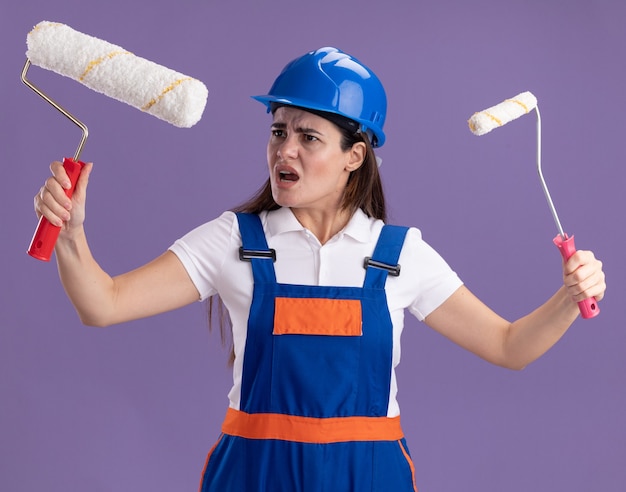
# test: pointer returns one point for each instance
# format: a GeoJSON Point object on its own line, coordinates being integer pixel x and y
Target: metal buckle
{"type": "Point", "coordinates": [393, 270]}
{"type": "Point", "coordinates": [265, 254]}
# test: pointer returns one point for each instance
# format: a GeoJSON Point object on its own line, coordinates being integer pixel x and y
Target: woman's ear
{"type": "Point", "coordinates": [357, 156]}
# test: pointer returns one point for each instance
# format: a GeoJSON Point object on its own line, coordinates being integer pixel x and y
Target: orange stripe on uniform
{"type": "Point", "coordinates": [410, 462]}
{"type": "Point", "coordinates": [317, 316]}
{"type": "Point", "coordinates": [206, 463]}
{"type": "Point", "coordinates": [310, 429]}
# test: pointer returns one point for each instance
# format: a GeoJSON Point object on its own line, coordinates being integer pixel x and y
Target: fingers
{"type": "Point", "coordinates": [52, 201]}
{"type": "Point", "coordinates": [58, 173]}
{"type": "Point", "coordinates": [583, 276]}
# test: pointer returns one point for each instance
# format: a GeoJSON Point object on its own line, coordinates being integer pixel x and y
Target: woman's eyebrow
{"type": "Point", "coordinates": [282, 126]}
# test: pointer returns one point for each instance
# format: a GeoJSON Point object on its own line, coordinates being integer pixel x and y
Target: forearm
{"type": "Point", "coordinates": [101, 300]}
{"type": "Point", "coordinates": [90, 289]}
{"type": "Point", "coordinates": [465, 320]}
{"type": "Point", "coordinates": [530, 337]}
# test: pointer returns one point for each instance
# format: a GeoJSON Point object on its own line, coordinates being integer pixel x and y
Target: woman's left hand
{"type": "Point", "coordinates": [583, 276]}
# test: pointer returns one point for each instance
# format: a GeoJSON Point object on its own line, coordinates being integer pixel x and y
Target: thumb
{"type": "Point", "coordinates": [81, 185]}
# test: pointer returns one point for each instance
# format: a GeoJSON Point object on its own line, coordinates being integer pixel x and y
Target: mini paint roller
{"type": "Point", "coordinates": [115, 72]}
{"type": "Point", "coordinates": [484, 121]}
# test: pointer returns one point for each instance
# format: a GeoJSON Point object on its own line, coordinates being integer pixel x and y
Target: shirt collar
{"type": "Point", "coordinates": [359, 227]}
{"type": "Point", "coordinates": [283, 220]}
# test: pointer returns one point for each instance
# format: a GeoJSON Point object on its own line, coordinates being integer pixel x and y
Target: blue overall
{"type": "Point", "coordinates": [311, 380]}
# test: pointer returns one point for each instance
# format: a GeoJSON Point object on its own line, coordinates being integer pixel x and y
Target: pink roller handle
{"type": "Point", "coordinates": [46, 234]}
{"type": "Point", "coordinates": [589, 307]}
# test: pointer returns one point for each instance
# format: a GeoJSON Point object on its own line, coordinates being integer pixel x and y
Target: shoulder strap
{"type": "Point", "coordinates": [384, 260]}
{"type": "Point", "coordinates": [254, 248]}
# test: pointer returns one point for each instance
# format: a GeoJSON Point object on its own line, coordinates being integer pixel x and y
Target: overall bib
{"type": "Point", "coordinates": [315, 386]}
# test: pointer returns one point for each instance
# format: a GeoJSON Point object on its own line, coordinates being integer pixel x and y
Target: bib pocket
{"type": "Point", "coordinates": [317, 316]}
{"type": "Point", "coordinates": [316, 355]}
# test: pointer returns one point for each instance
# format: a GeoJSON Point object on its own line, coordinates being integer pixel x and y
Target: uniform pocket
{"type": "Point", "coordinates": [393, 467]}
{"type": "Point", "coordinates": [316, 356]}
{"type": "Point", "coordinates": [317, 316]}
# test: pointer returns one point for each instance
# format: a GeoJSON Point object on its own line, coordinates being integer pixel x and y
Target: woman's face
{"type": "Point", "coordinates": [308, 169]}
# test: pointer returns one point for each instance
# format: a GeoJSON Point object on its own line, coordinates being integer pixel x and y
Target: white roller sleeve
{"type": "Point", "coordinates": [117, 73]}
{"type": "Point", "coordinates": [500, 114]}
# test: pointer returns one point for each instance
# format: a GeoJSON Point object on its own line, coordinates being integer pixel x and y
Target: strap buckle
{"type": "Point", "coordinates": [248, 254]}
{"type": "Point", "coordinates": [393, 270]}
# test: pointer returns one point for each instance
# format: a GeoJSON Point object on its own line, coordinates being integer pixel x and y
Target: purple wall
{"type": "Point", "coordinates": [136, 407]}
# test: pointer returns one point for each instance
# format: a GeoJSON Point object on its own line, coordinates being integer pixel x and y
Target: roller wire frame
{"type": "Point", "coordinates": [589, 307]}
{"type": "Point", "coordinates": [46, 234]}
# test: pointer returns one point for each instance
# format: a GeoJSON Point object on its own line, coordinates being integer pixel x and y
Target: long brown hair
{"type": "Point", "coordinates": [364, 191]}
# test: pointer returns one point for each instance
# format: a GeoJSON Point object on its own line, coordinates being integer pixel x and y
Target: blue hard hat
{"type": "Point", "coordinates": [332, 81]}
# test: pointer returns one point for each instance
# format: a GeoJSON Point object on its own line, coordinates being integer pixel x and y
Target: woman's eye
{"type": "Point", "coordinates": [310, 138]}
{"type": "Point", "coordinates": [278, 133]}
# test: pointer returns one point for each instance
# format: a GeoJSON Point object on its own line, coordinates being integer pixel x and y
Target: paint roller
{"type": "Point", "coordinates": [496, 116]}
{"type": "Point", "coordinates": [111, 70]}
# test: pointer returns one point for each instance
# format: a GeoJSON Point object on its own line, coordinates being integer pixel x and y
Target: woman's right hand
{"type": "Point", "coordinates": [52, 202]}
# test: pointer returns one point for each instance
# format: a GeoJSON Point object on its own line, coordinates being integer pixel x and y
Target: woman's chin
{"type": "Point", "coordinates": [283, 199]}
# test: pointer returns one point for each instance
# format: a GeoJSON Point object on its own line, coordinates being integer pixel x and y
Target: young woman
{"type": "Point", "coordinates": [316, 285]}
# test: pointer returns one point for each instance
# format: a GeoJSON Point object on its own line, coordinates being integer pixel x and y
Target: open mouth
{"type": "Point", "coordinates": [287, 176]}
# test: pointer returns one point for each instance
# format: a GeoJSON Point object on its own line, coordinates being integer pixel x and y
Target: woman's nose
{"type": "Point", "coordinates": [288, 149]}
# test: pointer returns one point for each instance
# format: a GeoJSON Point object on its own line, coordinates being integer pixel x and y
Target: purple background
{"type": "Point", "coordinates": [136, 407]}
